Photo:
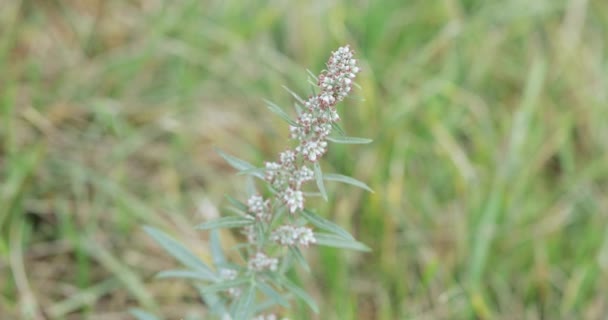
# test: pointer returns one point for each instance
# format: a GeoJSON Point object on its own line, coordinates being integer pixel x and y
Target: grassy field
{"type": "Point", "coordinates": [489, 161]}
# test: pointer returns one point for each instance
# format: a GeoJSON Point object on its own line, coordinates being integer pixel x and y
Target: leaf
{"type": "Point", "coordinates": [224, 285]}
{"type": "Point", "coordinates": [225, 222]}
{"type": "Point", "coordinates": [298, 292]}
{"type": "Point", "coordinates": [312, 75]}
{"type": "Point", "coordinates": [295, 95]}
{"type": "Point", "coordinates": [337, 127]}
{"type": "Point", "coordinates": [179, 252]}
{"type": "Point", "coordinates": [240, 207]}
{"type": "Point", "coordinates": [256, 172]}
{"type": "Point", "coordinates": [319, 177]}
{"type": "Point", "coordinates": [326, 225]}
{"type": "Point", "coordinates": [347, 180]}
{"type": "Point", "coordinates": [215, 303]}
{"type": "Point", "coordinates": [330, 240]}
{"type": "Point", "coordinates": [235, 162]}
{"type": "Point", "coordinates": [298, 257]}
{"type": "Point", "coordinates": [243, 306]}
{"type": "Point", "coordinates": [349, 140]}
{"type": "Point", "coordinates": [263, 306]}
{"type": "Point", "coordinates": [215, 244]}
{"type": "Point", "coordinates": [271, 293]}
{"type": "Point", "coordinates": [279, 112]}
{"type": "Point", "coordinates": [184, 274]}
{"type": "Point", "coordinates": [259, 235]}
{"type": "Point", "coordinates": [142, 315]}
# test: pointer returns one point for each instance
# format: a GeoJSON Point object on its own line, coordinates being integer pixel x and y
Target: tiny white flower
{"type": "Point", "coordinates": [294, 199]}
{"type": "Point", "coordinates": [289, 235]}
{"type": "Point", "coordinates": [259, 207]}
{"type": "Point", "coordinates": [261, 262]}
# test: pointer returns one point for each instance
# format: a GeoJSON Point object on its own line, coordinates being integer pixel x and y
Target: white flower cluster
{"type": "Point", "coordinates": [229, 274]}
{"type": "Point", "coordinates": [259, 207]}
{"type": "Point", "coordinates": [288, 235]}
{"type": "Point", "coordinates": [249, 232]}
{"type": "Point", "coordinates": [294, 199]}
{"type": "Point", "coordinates": [293, 169]}
{"type": "Point", "coordinates": [312, 127]}
{"type": "Point", "coordinates": [337, 81]}
{"type": "Point", "coordinates": [261, 262]}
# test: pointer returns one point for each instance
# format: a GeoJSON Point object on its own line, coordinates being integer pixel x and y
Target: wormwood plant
{"type": "Point", "coordinates": [274, 221]}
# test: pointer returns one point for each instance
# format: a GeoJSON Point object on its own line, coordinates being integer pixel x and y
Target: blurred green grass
{"type": "Point", "coordinates": [489, 165]}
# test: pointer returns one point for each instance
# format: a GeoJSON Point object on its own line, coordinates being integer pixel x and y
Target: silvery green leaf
{"type": "Point", "coordinates": [349, 140]}
{"type": "Point", "coordinates": [235, 162]}
{"type": "Point", "coordinates": [295, 95]}
{"type": "Point", "coordinates": [243, 306]}
{"type": "Point", "coordinates": [256, 172]}
{"type": "Point", "coordinates": [237, 203]}
{"type": "Point", "coordinates": [347, 180]}
{"type": "Point", "coordinates": [312, 75]}
{"type": "Point", "coordinates": [215, 244]}
{"type": "Point", "coordinates": [330, 240]}
{"type": "Point", "coordinates": [279, 112]}
{"type": "Point", "coordinates": [337, 127]}
{"type": "Point", "coordinates": [142, 315]}
{"type": "Point", "coordinates": [187, 274]}
{"type": "Point", "coordinates": [259, 234]}
{"type": "Point", "coordinates": [319, 178]}
{"type": "Point", "coordinates": [271, 293]}
{"type": "Point", "coordinates": [179, 252]}
{"type": "Point", "coordinates": [215, 303]}
{"type": "Point", "coordinates": [296, 254]}
{"type": "Point", "coordinates": [325, 224]}
{"type": "Point", "coordinates": [250, 185]}
{"type": "Point", "coordinates": [263, 306]}
{"type": "Point", "coordinates": [225, 222]}
{"type": "Point", "coordinates": [224, 285]}
{"type": "Point", "coordinates": [298, 108]}
{"type": "Point", "coordinates": [298, 292]}
{"type": "Point", "coordinates": [237, 207]}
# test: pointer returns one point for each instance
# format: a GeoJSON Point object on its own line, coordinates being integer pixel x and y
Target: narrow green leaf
{"type": "Point", "coordinates": [243, 306]}
{"type": "Point", "coordinates": [279, 112]}
{"type": "Point", "coordinates": [263, 306]}
{"type": "Point", "coordinates": [142, 315]}
{"type": "Point", "coordinates": [184, 274]}
{"type": "Point", "coordinates": [235, 162]}
{"type": "Point", "coordinates": [330, 240]}
{"type": "Point", "coordinates": [239, 205]}
{"type": "Point", "coordinates": [347, 180]}
{"type": "Point", "coordinates": [312, 75]}
{"type": "Point", "coordinates": [224, 285]}
{"type": "Point", "coordinates": [179, 252]}
{"type": "Point", "coordinates": [238, 208]}
{"type": "Point", "coordinates": [298, 108]}
{"type": "Point", "coordinates": [256, 172]}
{"type": "Point", "coordinates": [349, 140]}
{"type": "Point", "coordinates": [225, 222]}
{"type": "Point", "coordinates": [295, 95]}
{"type": "Point", "coordinates": [339, 129]}
{"type": "Point", "coordinates": [215, 244]}
{"type": "Point", "coordinates": [326, 225]}
{"type": "Point", "coordinates": [296, 254]}
{"type": "Point", "coordinates": [259, 235]}
{"type": "Point", "coordinates": [271, 293]}
{"type": "Point", "coordinates": [319, 177]}
{"type": "Point", "coordinates": [215, 303]}
{"type": "Point", "coordinates": [298, 292]}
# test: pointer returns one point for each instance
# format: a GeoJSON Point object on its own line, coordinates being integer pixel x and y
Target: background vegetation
{"type": "Point", "coordinates": [490, 160]}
